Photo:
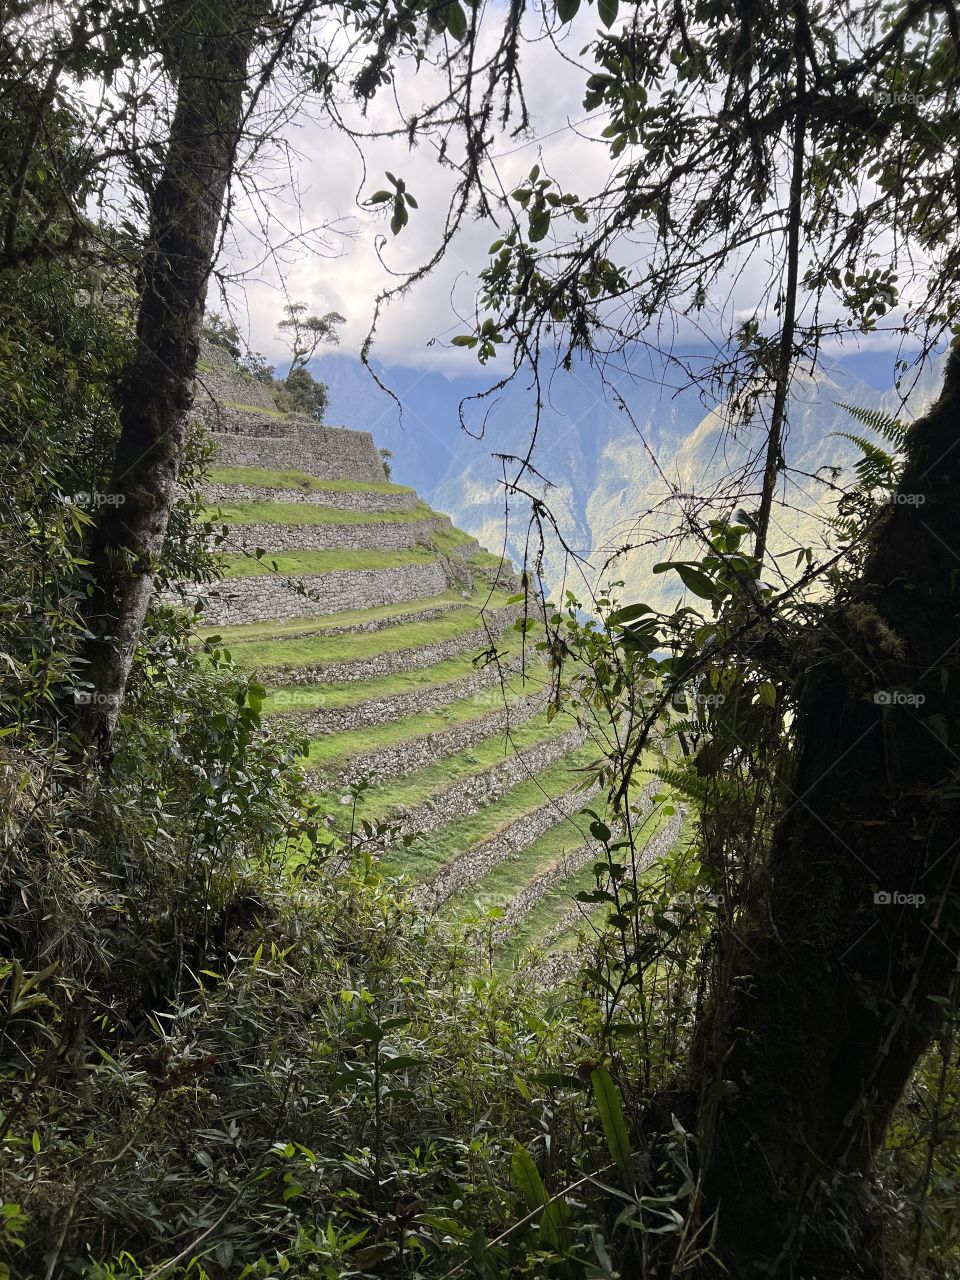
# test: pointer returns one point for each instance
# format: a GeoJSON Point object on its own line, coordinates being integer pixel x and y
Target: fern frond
{"type": "Point", "coordinates": [688, 785]}
{"type": "Point", "coordinates": [883, 423]}
{"type": "Point", "coordinates": [876, 468]}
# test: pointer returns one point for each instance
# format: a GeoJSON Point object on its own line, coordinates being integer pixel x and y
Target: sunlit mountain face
{"type": "Point", "coordinates": [615, 457]}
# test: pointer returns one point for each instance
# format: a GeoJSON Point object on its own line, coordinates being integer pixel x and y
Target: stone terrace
{"type": "Point", "coordinates": [366, 616]}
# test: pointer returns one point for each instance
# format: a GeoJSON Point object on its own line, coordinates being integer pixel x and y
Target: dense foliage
{"type": "Point", "coordinates": [229, 1044]}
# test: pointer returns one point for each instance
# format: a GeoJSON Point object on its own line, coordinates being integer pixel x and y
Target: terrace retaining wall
{"type": "Point", "coordinates": [267, 596]}
{"type": "Point", "coordinates": [363, 500]}
{"type": "Point", "coordinates": [483, 684]}
{"type": "Point", "coordinates": [394, 660]}
{"type": "Point", "coordinates": [399, 536]}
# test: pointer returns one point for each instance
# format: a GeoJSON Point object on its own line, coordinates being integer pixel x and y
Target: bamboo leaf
{"type": "Point", "coordinates": [614, 1125]}
{"type": "Point", "coordinates": [526, 1178]}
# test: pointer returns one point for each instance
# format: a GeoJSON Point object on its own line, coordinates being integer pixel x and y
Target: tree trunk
{"type": "Point", "coordinates": [185, 211]}
{"type": "Point", "coordinates": [843, 986]}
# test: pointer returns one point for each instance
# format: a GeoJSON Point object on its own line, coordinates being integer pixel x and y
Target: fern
{"type": "Point", "coordinates": [881, 423]}
{"type": "Point", "coordinates": [876, 469]}
{"type": "Point", "coordinates": [687, 784]}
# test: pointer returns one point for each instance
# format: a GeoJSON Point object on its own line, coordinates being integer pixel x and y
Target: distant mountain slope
{"type": "Point", "coordinates": [608, 461]}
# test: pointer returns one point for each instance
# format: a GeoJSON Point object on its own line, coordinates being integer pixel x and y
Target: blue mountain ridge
{"type": "Point", "coordinates": [614, 446]}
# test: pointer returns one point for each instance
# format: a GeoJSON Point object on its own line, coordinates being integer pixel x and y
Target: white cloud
{"type": "Point", "coordinates": [350, 273]}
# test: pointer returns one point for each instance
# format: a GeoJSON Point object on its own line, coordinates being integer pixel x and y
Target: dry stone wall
{"type": "Point", "coordinates": [329, 628]}
{"type": "Point", "coordinates": [417, 753]}
{"type": "Point", "coordinates": [658, 846]}
{"type": "Point", "coordinates": [483, 684]}
{"type": "Point", "coordinates": [413, 659]}
{"type": "Point", "coordinates": [506, 844]}
{"type": "Point", "coordinates": [219, 379]}
{"type": "Point", "coordinates": [361, 500]}
{"type": "Point", "coordinates": [399, 536]}
{"type": "Point", "coordinates": [489, 785]}
{"type": "Point", "coordinates": [266, 596]}
{"type": "Point", "coordinates": [254, 439]}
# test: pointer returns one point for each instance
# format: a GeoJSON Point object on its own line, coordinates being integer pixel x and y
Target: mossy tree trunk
{"type": "Point", "coordinates": [842, 986]}
{"type": "Point", "coordinates": [216, 40]}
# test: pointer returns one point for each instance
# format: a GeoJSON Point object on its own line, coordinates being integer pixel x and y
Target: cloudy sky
{"type": "Point", "coordinates": [346, 274]}
{"type": "Point", "coordinates": [317, 182]}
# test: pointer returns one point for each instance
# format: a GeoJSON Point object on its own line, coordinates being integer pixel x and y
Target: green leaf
{"type": "Point", "coordinates": [768, 694]}
{"type": "Point", "coordinates": [627, 614]}
{"type": "Point", "coordinates": [455, 20]}
{"type": "Point", "coordinates": [614, 1125]}
{"type": "Point", "coordinates": [400, 217]}
{"type": "Point", "coordinates": [526, 1178]}
{"type": "Point", "coordinates": [607, 11]}
{"type": "Point", "coordinates": [35, 1142]}
{"type": "Point", "coordinates": [400, 1063]}
{"type": "Point", "coordinates": [539, 224]}
{"type": "Point", "coordinates": [378, 197]}
{"type": "Point", "coordinates": [693, 579]}
{"type": "Point", "coordinates": [567, 9]}
{"type": "Point", "coordinates": [482, 1258]}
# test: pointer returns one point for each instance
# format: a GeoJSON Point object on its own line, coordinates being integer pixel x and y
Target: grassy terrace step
{"type": "Point", "coordinates": [552, 907]}
{"type": "Point", "coordinates": [666, 835]}
{"type": "Point", "coordinates": [558, 929]}
{"type": "Point", "coordinates": [300, 651]}
{"type": "Point", "coordinates": [375, 619]}
{"type": "Point", "coordinates": [439, 678]}
{"type": "Point", "coordinates": [258, 477]}
{"type": "Point", "coordinates": [503, 882]}
{"type": "Point", "coordinates": [301, 513]}
{"type": "Point", "coordinates": [313, 563]}
{"type": "Point", "coordinates": [341, 748]}
{"type": "Point", "coordinates": [424, 860]}
{"type": "Point", "coordinates": [426, 785]}
{"type": "Point", "coordinates": [548, 874]}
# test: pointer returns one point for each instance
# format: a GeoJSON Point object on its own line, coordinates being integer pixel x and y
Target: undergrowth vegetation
{"type": "Point", "coordinates": [231, 1044]}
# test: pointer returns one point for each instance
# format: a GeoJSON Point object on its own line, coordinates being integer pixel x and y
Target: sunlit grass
{"type": "Point", "coordinates": [352, 646]}
{"type": "Point", "coordinates": [307, 513]}
{"type": "Point", "coordinates": [263, 478]}
{"type": "Point", "coordinates": [307, 563]}
{"type": "Point", "coordinates": [245, 632]}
